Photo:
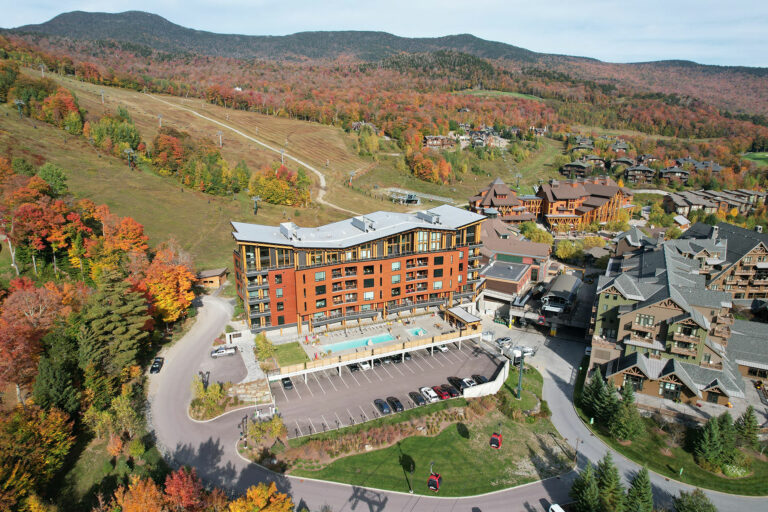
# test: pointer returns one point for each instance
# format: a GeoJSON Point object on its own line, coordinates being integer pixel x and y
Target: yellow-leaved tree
{"type": "Point", "coordinates": [262, 498]}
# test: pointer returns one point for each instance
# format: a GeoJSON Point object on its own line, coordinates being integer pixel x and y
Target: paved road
{"type": "Point", "coordinates": [320, 193]}
{"type": "Point", "coordinates": [210, 447]}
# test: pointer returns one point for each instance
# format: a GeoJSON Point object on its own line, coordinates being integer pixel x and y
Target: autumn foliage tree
{"type": "Point", "coordinates": [169, 279]}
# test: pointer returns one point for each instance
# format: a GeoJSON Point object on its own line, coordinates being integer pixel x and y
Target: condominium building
{"type": "Point", "coordinates": [498, 200]}
{"type": "Point", "coordinates": [368, 266]}
{"type": "Point", "coordinates": [577, 203]}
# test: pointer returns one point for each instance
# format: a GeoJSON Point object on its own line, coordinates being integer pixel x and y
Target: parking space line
{"type": "Point", "coordinates": [353, 376]}
{"type": "Point", "coordinates": [426, 362]}
{"type": "Point", "coordinates": [453, 355]}
{"type": "Point", "coordinates": [284, 393]}
{"type": "Point", "coordinates": [436, 360]}
{"type": "Point", "coordinates": [298, 428]}
{"type": "Point", "coordinates": [307, 386]}
{"type": "Point", "coordinates": [342, 380]}
{"type": "Point", "coordinates": [385, 369]}
{"type": "Point", "coordinates": [312, 426]}
{"type": "Point", "coordinates": [340, 423]}
{"type": "Point", "coordinates": [376, 413]}
{"type": "Point", "coordinates": [364, 375]}
{"type": "Point", "coordinates": [351, 418]}
{"type": "Point", "coordinates": [376, 374]}
{"type": "Point", "coordinates": [362, 411]}
{"type": "Point", "coordinates": [325, 424]}
{"type": "Point", "coordinates": [395, 366]}
{"type": "Point", "coordinates": [413, 360]}
{"type": "Point", "coordinates": [318, 383]}
{"type": "Point", "coordinates": [331, 381]}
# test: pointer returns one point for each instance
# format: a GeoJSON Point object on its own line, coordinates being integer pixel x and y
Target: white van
{"type": "Point", "coordinates": [365, 365]}
{"type": "Point", "coordinates": [429, 394]}
{"type": "Point", "coordinates": [224, 352]}
{"type": "Point", "coordinates": [555, 508]}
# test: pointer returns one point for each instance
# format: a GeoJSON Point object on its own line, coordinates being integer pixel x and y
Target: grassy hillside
{"type": "Point", "coordinates": [483, 92]}
{"type": "Point", "coordinates": [760, 159]}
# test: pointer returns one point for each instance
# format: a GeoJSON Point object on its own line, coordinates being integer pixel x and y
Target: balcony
{"type": "Point", "coordinates": [725, 319]}
{"type": "Point", "coordinates": [351, 286]}
{"type": "Point", "coordinates": [689, 352]}
{"type": "Point", "coordinates": [686, 338]}
{"type": "Point", "coordinates": [252, 272]}
{"type": "Point", "coordinates": [336, 275]}
{"type": "Point", "coordinates": [350, 273]}
{"type": "Point", "coordinates": [745, 272]}
{"type": "Point", "coordinates": [259, 286]}
{"type": "Point", "coordinates": [258, 314]}
{"type": "Point", "coordinates": [473, 257]}
{"type": "Point", "coordinates": [644, 328]}
{"type": "Point", "coordinates": [723, 331]}
{"type": "Point", "coordinates": [408, 304]}
{"type": "Point", "coordinates": [760, 281]}
{"type": "Point", "coordinates": [258, 300]}
{"type": "Point", "coordinates": [427, 303]}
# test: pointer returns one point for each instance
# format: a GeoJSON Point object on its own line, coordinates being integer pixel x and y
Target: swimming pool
{"type": "Point", "coordinates": [417, 331]}
{"type": "Point", "coordinates": [359, 342]}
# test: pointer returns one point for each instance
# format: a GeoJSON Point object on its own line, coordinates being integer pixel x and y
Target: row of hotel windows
{"type": "Point", "coordinates": [420, 241]}
{"type": "Point", "coordinates": [368, 296]}
{"type": "Point", "coordinates": [396, 266]}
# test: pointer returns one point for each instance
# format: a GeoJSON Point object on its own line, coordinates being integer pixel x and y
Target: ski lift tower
{"type": "Point", "coordinates": [19, 104]}
{"type": "Point", "coordinates": [256, 200]}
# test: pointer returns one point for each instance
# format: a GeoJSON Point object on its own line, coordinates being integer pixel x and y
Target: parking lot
{"type": "Point", "coordinates": [327, 400]}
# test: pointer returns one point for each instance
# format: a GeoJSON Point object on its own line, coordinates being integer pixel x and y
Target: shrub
{"type": "Point", "coordinates": [136, 448]}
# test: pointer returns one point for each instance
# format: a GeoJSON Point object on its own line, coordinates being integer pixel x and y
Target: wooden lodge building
{"type": "Point", "coordinates": [577, 203]}
{"type": "Point", "coordinates": [365, 267]}
{"type": "Point", "coordinates": [498, 200]}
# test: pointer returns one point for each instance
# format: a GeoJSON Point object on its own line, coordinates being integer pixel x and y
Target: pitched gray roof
{"type": "Point", "coordinates": [748, 344]}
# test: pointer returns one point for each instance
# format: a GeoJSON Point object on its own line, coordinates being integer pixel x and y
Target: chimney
{"type": "Point", "coordinates": [715, 232]}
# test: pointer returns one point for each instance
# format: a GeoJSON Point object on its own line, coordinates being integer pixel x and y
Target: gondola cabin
{"type": "Point", "coordinates": [434, 482]}
{"type": "Point", "coordinates": [496, 441]}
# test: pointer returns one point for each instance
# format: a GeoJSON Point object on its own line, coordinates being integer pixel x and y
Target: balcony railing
{"type": "Point", "coordinates": [678, 336]}
{"type": "Point", "coordinates": [725, 319]}
{"type": "Point", "coordinates": [258, 300]}
{"type": "Point", "coordinates": [690, 352]}
{"type": "Point", "coordinates": [261, 286]}
{"type": "Point", "coordinates": [722, 331]}
{"type": "Point", "coordinates": [257, 314]}
{"type": "Point", "coordinates": [745, 272]}
{"type": "Point", "coordinates": [643, 328]}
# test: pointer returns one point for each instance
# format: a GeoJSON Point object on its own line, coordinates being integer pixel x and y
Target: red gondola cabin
{"type": "Point", "coordinates": [496, 441]}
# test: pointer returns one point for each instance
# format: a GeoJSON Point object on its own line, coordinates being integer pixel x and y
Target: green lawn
{"type": "Point", "coordinates": [290, 353]}
{"type": "Point", "coordinates": [647, 451]}
{"type": "Point", "coordinates": [461, 455]}
{"type": "Point", "coordinates": [487, 92]}
{"type": "Point", "coordinates": [760, 159]}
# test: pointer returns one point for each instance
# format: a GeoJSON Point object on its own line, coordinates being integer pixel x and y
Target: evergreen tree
{"type": "Point", "coordinates": [584, 491]}
{"type": "Point", "coordinates": [747, 429]}
{"type": "Point", "coordinates": [628, 394]}
{"type": "Point", "coordinates": [57, 371]}
{"type": "Point", "coordinates": [593, 394]}
{"type": "Point", "coordinates": [727, 437]}
{"type": "Point", "coordinates": [113, 328]}
{"type": "Point", "coordinates": [626, 423]}
{"type": "Point", "coordinates": [708, 447]}
{"type": "Point", "coordinates": [640, 494]}
{"type": "Point", "coordinates": [610, 404]}
{"type": "Point", "coordinates": [609, 484]}
{"type": "Point", "coordinates": [695, 501]}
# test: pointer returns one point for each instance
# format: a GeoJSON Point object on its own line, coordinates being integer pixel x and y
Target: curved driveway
{"type": "Point", "coordinates": [210, 446]}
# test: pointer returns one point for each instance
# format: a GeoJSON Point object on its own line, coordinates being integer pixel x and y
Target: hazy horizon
{"type": "Point", "coordinates": [702, 31]}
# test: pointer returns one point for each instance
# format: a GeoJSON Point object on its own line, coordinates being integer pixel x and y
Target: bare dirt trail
{"type": "Point", "coordinates": [321, 177]}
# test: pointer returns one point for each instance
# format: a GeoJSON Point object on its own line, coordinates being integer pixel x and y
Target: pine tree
{"type": "Point", "coordinates": [708, 447]}
{"type": "Point", "coordinates": [113, 329]}
{"type": "Point", "coordinates": [640, 494]}
{"type": "Point", "coordinates": [609, 484]}
{"type": "Point", "coordinates": [747, 429]}
{"type": "Point", "coordinates": [628, 394]}
{"type": "Point", "coordinates": [54, 388]}
{"type": "Point", "coordinates": [626, 423]}
{"type": "Point", "coordinates": [593, 394]}
{"type": "Point", "coordinates": [695, 501]}
{"type": "Point", "coordinates": [584, 491]}
{"type": "Point", "coordinates": [610, 404]}
{"type": "Point", "coordinates": [727, 437]}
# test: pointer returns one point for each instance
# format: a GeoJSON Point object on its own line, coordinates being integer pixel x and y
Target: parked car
{"type": "Point", "coordinates": [223, 352]}
{"type": "Point", "coordinates": [382, 406]}
{"type": "Point", "coordinates": [452, 391]}
{"type": "Point", "coordinates": [395, 404]}
{"type": "Point", "coordinates": [457, 383]}
{"type": "Point", "coordinates": [479, 379]}
{"type": "Point", "coordinates": [417, 398]}
{"type": "Point", "coordinates": [442, 348]}
{"type": "Point", "coordinates": [397, 358]}
{"type": "Point", "coordinates": [588, 351]}
{"type": "Point", "coordinates": [429, 394]}
{"type": "Point", "coordinates": [503, 341]}
{"type": "Point", "coordinates": [441, 393]}
{"type": "Point", "coordinates": [387, 360]}
{"type": "Point", "coordinates": [287, 383]}
{"type": "Point", "coordinates": [377, 362]}
{"type": "Point", "coordinates": [469, 382]}
{"type": "Point", "coordinates": [354, 367]}
{"type": "Point", "coordinates": [365, 365]}
{"type": "Point", "coordinates": [157, 365]}
{"type": "Point", "coordinates": [407, 356]}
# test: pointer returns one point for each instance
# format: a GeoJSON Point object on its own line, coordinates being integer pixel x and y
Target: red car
{"type": "Point", "coordinates": [443, 394]}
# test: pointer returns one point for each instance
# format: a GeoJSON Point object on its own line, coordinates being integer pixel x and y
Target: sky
{"type": "Point", "coordinates": [734, 32]}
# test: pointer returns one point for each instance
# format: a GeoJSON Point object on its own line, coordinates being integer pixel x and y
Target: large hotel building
{"type": "Point", "coordinates": [368, 266]}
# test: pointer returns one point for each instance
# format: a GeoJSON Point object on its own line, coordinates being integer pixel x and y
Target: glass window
{"type": "Point", "coordinates": [368, 270]}
{"type": "Point", "coordinates": [319, 304]}
{"type": "Point", "coordinates": [368, 283]}
{"type": "Point", "coordinates": [434, 241]}
{"type": "Point", "coordinates": [349, 255]}
{"type": "Point", "coordinates": [320, 276]}
{"type": "Point", "coordinates": [350, 297]}
{"type": "Point", "coordinates": [395, 266]}
{"type": "Point", "coordinates": [368, 296]}
{"type": "Point", "coordinates": [395, 278]}
{"type": "Point", "coordinates": [421, 241]}
{"type": "Point", "coordinates": [365, 251]}
{"type": "Point", "coordinates": [280, 320]}
{"type": "Point", "coordinates": [438, 260]}
{"type": "Point", "coordinates": [279, 292]}
{"type": "Point", "coordinates": [438, 272]}
{"type": "Point", "coordinates": [395, 291]}
{"type": "Point", "coordinates": [320, 290]}
{"type": "Point", "coordinates": [437, 285]}
{"type": "Point", "coordinates": [280, 306]}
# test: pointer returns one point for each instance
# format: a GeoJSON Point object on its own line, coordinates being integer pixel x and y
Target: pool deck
{"type": "Point", "coordinates": [314, 344]}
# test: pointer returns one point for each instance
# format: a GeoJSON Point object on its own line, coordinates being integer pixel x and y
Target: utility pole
{"type": "Point", "coordinates": [282, 157]}
{"type": "Point", "coordinates": [42, 70]}
{"type": "Point", "coordinates": [19, 104]}
{"type": "Point", "coordinates": [102, 96]}
{"type": "Point", "coordinates": [160, 120]}
{"type": "Point", "coordinates": [220, 133]}
{"type": "Point", "coordinates": [520, 377]}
